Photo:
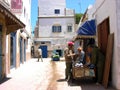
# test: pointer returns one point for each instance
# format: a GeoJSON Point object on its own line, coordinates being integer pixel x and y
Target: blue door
{"type": "Point", "coordinates": [13, 50]}
{"type": "Point", "coordinates": [21, 50]}
{"type": "Point", "coordinates": [24, 50]}
{"type": "Point", "coordinates": [44, 51]}
{"type": "Point", "coordinates": [0, 52]}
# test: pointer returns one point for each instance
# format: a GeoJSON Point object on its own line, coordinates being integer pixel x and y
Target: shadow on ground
{"type": "Point", "coordinates": [4, 80]}
{"type": "Point", "coordinates": [88, 83]}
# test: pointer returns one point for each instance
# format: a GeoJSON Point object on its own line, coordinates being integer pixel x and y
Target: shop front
{"type": "Point", "coordinates": [8, 23]}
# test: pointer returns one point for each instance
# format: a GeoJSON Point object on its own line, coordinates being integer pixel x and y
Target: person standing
{"type": "Point", "coordinates": [40, 54]}
{"type": "Point", "coordinates": [97, 58]}
{"type": "Point", "coordinates": [69, 56]}
{"type": "Point", "coordinates": [80, 55]}
{"type": "Point", "coordinates": [32, 51]}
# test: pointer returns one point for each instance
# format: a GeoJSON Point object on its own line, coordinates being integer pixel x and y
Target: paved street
{"type": "Point", "coordinates": [46, 75]}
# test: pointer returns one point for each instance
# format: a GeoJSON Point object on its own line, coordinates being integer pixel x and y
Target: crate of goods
{"type": "Point", "coordinates": [79, 72]}
{"type": "Point", "coordinates": [89, 72]}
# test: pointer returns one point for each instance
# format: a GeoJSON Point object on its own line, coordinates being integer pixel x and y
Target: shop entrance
{"type": "Point", "coordinates": [59, 52]}
{"type": "Point", "coordinates": [21, 50]}
{"type": "Point", "coordinates": [13, 50]}
{"type": "Point", "coordinates": [24, 50]}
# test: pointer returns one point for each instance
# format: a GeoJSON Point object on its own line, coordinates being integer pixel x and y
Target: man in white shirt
{"type": "Point", "coordinates": [39, 54]}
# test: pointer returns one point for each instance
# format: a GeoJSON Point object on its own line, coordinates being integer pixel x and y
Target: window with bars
{"type": "Point", "coordinates": [56, 29]}
{"type": "Point", "coordinates": [57, 11]}
{"type": "Point", "coordinates": [69, 28]}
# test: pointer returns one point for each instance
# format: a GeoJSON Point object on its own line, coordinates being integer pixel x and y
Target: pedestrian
{"type": "Point", "coordinates": [98, 59]}
{"type": "Point", "coordinates": [32, 51]}
{"type": "Point", "coordinates": [40, 54]}
{"type": "Point", "coordinates": [69, 56]}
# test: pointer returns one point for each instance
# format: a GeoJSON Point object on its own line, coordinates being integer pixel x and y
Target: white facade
{"type": "Point", "coordinates": [46, 7]}
{"type": "Point", "coordinates": [25, 17]}
{"type": "Point", "coordinates": [102, 10]}
{"type": "Point", "coordinates": [48, 18]}
{"type": "Point", "coordinates": [27, 20]}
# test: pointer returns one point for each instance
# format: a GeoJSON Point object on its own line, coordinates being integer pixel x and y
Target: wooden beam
{"type": "Point", "coordinates": [12, 28]}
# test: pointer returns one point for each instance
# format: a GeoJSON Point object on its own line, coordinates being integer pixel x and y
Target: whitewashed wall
{"type": "Point", "coordinates": [25, 17]}
{"type": "Point", "coordinates": [46, 7]}
{"type": "Point", "coordinates": [45, 26]}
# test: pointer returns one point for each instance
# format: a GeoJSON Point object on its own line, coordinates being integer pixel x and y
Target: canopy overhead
{"type": "Point", "coordinates": [88, 28]}
{"type": "Point", "coordinates": [12, 22]}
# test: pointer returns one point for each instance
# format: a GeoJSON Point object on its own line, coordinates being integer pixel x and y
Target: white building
{"type": "Point", "coordinates": [56, 26]}
{"type": "Point", "coordinates": [107, 15]}
{"type": "Point", "coordinates": [25, 17]}
{"type": "Point", "coordinates": [18, 47]}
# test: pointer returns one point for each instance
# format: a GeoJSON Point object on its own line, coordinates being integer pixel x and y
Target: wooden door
{"type": "Point", "coordinates": [108, 60]}
{"type": "Point", "coordinates": [103, 32]}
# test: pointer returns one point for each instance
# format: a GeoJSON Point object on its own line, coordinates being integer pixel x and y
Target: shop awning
{"type": "Point", "coordinates": [11, 21]}
{"type": "Point", "coordinates": [88, 28]}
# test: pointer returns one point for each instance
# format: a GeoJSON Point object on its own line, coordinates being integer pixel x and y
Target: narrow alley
{"type": "Point", "coordinates": [46, 75]}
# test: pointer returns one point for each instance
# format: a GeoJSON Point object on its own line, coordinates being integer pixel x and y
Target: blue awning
{"type": "Point", "coordinates": [88, 28]}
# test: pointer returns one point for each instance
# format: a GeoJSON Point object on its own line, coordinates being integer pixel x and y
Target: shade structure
{"type": "Point", "coordinates": [88, 28]}
{"type": "Point", "coordinates": [11, 21]}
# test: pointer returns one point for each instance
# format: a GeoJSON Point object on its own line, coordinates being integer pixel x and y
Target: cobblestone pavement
{"type": "Point", "coordinates": [46, 75]}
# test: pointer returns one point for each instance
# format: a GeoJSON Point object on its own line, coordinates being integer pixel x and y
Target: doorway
{"type": "Point", "coordinates": [44, 51]}
{"type": "Point", "coordinates": [24, 50]}
{"type": "Point", "coordinates": [103, 32]}
{"type": "Point", "coordinates": [59, 51]}
{"type": "Point", "coordinates": [13, 49]}
{"type": "Point", "coordinates": [21, 50]}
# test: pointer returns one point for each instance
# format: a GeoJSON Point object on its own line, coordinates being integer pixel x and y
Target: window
{"type": "Point", "coordinates": [57, 11]}
{"type": "Point", "coordinates": [69, 28]}
{"type": "Point", "coordinates": [56, 29]}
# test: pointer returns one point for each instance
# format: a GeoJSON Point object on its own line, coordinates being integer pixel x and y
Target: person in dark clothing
{"type": "Point", "coordinates": [32, 51]}
{"type": "Point", "coordinates": [97, 58]}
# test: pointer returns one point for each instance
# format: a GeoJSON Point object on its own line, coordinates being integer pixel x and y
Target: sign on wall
{"type": "Point", "coordinates": [16, 6]}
